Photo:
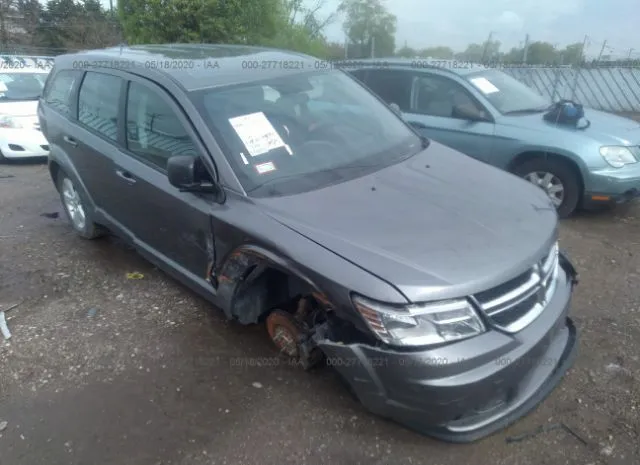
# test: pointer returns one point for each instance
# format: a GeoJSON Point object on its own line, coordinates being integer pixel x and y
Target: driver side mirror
{"type": "Point", "coordinates": [469, 113]}
{"type": "Point", "coordinates": [189, 174]}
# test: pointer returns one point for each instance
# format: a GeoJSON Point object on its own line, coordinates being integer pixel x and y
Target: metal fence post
{"type": "Point", "coordinates": [575, 82]}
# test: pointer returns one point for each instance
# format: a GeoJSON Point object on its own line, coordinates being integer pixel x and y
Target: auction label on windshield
{"type": "Point", "coordinates": [257, 133]}
{"type": "Point", "coordinates": [267, 167]}
{"type": "Point", "coordinates": [484, 85]}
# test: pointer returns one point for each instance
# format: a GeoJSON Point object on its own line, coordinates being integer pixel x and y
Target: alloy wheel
{"type": "Point", "coordinates": [549, 183]}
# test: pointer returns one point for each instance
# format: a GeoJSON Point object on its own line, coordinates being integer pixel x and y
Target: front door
{"type": "Point", "coordinates": [432, 112]}
{"type": "Point", "coordinates": [172, 227]}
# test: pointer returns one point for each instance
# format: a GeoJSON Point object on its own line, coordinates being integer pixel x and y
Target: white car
{"type": "Point", "coordinates": [20, 89]}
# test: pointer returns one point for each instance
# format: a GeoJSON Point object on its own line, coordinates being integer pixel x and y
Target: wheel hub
{"type": "Point", "coordinates": [550, 183]}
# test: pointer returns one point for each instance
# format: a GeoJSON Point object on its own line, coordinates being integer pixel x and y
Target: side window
{"type": "Point", "coordinates": [438, 96]}
{"type": "Point", "coordinates": [57, 93]}
{"type": "Point", "coordinates": [154, 131]}
{"type": "Point", "coordinates": [392, 86]}
{"type": "Point", "coordinates": [98, 103]}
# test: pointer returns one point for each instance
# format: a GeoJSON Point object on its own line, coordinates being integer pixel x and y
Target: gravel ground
{"type": "Point", "coordinates": [110, 370]}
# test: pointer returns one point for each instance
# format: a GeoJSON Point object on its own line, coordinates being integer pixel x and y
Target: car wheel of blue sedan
{"type": "Point", "coordinates": [558, 179]}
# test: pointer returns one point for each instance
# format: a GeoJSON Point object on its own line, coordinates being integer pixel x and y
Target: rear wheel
{"type": "Point", "coordinates": [77, 208]}
{"type": "Point", "coordinates": [557, 179]}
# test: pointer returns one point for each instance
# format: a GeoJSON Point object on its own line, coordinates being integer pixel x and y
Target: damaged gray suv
{"type": "Point", "coordinates": [289, 195]}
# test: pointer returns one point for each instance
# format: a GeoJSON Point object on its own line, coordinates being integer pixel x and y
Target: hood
{"type": "Point", "coordinates": [438, 225]}
{"type": "Point", "coordinates": [22, 108]}
{"type": "Point", "coordinates": [605, 128]}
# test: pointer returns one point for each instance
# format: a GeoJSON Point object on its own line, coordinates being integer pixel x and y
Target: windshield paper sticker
{"type": "Point", "coordinates": [267, 167]}
{"type": "Point", "coordinates": [484, 85]}
{"type": "Point", "coordinates": [256, 133]}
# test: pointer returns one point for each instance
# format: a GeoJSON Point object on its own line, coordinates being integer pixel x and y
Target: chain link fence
{"type": "Point", "coordinates": [615, 89]}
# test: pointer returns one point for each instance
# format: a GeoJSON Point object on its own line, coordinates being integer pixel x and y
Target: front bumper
{"type": "Point", "coordinates": [23, 143]}
{"type": "Point", "coordinates": [612, 185]}
{"type": "Point", "coordinates": [465, 391]}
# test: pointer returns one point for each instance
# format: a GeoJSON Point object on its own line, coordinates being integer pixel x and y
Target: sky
{"type": "Point", "coordinates": [456, 23]}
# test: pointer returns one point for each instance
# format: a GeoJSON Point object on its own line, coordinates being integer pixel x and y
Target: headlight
{"type": "Point", "coordinates": [618, 156]}
{"type": "Point", "coordinates": [7, 121]}
{"type": "Point", "coordinates": [421, 324]}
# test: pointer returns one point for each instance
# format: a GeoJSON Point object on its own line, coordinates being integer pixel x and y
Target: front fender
{"type": "Point", "coordinates": [245, 264]}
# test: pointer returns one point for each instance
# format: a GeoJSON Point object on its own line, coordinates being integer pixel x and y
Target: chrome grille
{"type": "Point", "coordinates": [515, 304]}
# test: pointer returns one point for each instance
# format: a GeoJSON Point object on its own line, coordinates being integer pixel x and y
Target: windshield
{"type": "Point", "coordinates": [304, 131]}
{"type": "Point", "coordinates": [21, 86]}
{"type": "Point", "coordinates": [506, 93]}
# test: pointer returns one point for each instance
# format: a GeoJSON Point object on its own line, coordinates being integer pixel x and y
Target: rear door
{"type": "Point", "coordinates": [95, 141]}
{"type": "Point", "coordinates": [57, 109]}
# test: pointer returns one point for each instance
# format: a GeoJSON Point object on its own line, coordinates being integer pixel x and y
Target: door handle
{"type": "Point", "coordinates": [128, 177]}
{"type": "Point", "coordinates": [70, 140]}
{"type": "Point", "coordinates": [417, 124]}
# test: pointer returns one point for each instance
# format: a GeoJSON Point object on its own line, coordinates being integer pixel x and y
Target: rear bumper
{"type": "Point", "coordinates": [465, 391]}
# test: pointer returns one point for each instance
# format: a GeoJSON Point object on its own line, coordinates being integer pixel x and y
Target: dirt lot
{"type": "Point", "coordinates": [102, 369]}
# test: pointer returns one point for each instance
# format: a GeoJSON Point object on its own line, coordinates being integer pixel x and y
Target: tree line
{"type": "Point", "coordinates": [57, 26]}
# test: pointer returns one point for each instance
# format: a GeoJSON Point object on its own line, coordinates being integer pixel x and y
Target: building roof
{"type": "Point", "coordinates": [197, 66]}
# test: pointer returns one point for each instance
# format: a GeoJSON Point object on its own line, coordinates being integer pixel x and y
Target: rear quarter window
{"type": "Point", "coordinates": [57, 91]}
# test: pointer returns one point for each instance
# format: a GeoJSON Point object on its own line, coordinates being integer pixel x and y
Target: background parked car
{"type": "Point", "coordinates": [20, 89]}
{"type": "Point", "coordinates": [494, 118]}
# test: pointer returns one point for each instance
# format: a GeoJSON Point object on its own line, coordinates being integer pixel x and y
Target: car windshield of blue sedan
{"type": "Point", "coordinates": [21, 86]}
{"type": "Point", "coordinates": [304, 131]}
{"type": "Point", "coordinates": [506, 94]}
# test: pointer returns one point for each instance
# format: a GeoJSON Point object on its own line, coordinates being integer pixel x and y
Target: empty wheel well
{"type": "Point", "coordinates": [528, 156]}
{"type": "Point", "coordinates": [264, 289]}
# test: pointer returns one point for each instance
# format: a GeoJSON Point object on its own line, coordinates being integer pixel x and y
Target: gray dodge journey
{"type": "Point", "coordinates": [288, 195]}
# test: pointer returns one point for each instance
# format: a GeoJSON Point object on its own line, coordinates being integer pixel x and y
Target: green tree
{"type": "Point", "coordinates": [70, 25]}
{"type": "Point", "coordinates": [406, 52]}
{"type": "Point", "coordinates": [515, 55]}
{"type": "Point", "coordinates": [217, 21]}
{"type": "Point", "coordinates": [440, 52]}
{"type": "Point", "coordinates": [541, 53]}
{"type": "Point", "coordinates": [487, 52]}
{"type": "Point", "coordinates": [301, 28]}
{"type": "Point", "coordinates": [573, 54]}
{"type": "Point", "coordinates": [369, 27]}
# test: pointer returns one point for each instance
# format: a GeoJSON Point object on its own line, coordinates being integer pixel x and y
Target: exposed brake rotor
{"type": "Point", "coordinates": [285, 332]}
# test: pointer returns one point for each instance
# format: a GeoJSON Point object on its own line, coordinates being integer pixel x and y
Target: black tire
{"type": "Point", "coordinates": [91, 230]}
{"type": "Point", "coordinates": [567, 175]}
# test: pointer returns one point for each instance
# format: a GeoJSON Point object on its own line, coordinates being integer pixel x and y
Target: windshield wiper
{"type": "Point", "coordinates": [335, 171]}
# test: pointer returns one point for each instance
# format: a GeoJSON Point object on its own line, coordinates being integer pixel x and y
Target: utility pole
{"type": "Point", "coordinates": [346, 48]}
{"type": "Point", "coordinates": [584, 45]}
{"type": "Point", "coordinates": [526, 50]}
{"type": "Point", "coordinates": [486, 46]}
{"type": "Point", "coordinates": [373, 47]}
{"type": "Point", "coordinates": [604, 45]}
{"type": "Point", "coordinates": [630, 52]}
{"type": "Point", "coordinates": [111, 5]}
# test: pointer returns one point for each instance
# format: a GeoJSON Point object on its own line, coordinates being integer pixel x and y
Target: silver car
{"type": "Point", "coordinates": [292, 196]}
